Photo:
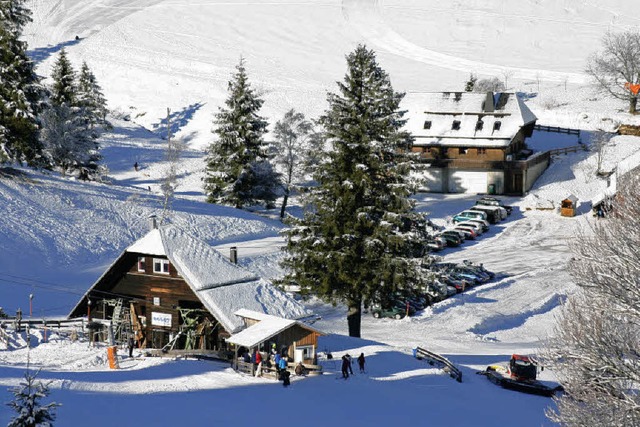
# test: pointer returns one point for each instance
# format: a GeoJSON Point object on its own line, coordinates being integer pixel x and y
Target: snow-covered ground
{"type": "Point", "coordinates": [57, 235]}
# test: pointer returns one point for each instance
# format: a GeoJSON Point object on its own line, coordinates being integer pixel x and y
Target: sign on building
{"type": "Point", "coordinates": [160, 319]}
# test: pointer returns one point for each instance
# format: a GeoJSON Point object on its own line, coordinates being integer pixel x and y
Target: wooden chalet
{"type": "Point", "coordinates": [470, 142]}
{"type": "Point", "coordinates": [263, 332]}
{"type": "Point", "coordinates": [175, 292]}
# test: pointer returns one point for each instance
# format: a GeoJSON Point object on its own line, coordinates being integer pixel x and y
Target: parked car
{"type": "Point", "coordinates": [473, 225]}
{"type": "Point", "coordinates": [469, 214]}
{"type": "Point", "coordinates": [478, 267]}
{"type": "Point", "coordinates": [493, 201]}
{"type": "Point", "coordinates": [493, 216]}
{"type": "Point", "coordinates": [484, 224]}
{"type": "Point", "coordinates": [393, 311]}
{"type": "Point", "coordinates": [453, 239]}
{"type": "Point", "coordinates": [435, 245]}
{"type": "Point", "coordinates": [469, 234]}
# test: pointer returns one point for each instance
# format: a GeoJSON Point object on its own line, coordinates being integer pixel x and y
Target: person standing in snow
{"type": "Point", "coordinates": [258, 363]}
{"type": "Point", "coordinates": [361, 362]}
{"type": "Point", "coordinates": [348, 356]}
{"type": "Point", "coordinates": [282, 367]}
{"type": "Point", "coordinates": [130, 345]}
{"type": "Point", "coordinates": [345, 367]}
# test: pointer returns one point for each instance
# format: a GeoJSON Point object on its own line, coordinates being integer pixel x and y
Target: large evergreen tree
{"type": "Point", "coordinates": [20, 91]}
{"type": "Point", "coordinates": [361, 239]}
{"type": "Point", "coordinates": [91, 101]}
{"type": "Point", "coordinates": [69, 121]}
{"type": "Point", "coordinates": [238, 172]}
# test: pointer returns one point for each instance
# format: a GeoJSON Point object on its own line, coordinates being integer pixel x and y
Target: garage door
{"type": "Point", "coordinates": [468, 182]}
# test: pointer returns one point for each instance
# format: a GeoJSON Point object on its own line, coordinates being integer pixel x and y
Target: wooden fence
{"type": "Point", "coordinates": [629, 130]}
{"type": "Point", "coordinates": [449, 367]}
{"type": "Point", "coordinates": [557, 129]}
{"type": "Point", "coordinates": [572, 149]}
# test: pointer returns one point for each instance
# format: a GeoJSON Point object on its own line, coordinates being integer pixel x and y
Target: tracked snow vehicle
{"type": "Point", "coordinates": [519, 375]}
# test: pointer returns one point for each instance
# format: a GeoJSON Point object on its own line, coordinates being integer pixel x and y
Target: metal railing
{"type": "Point", "coordinates": [449, 367]}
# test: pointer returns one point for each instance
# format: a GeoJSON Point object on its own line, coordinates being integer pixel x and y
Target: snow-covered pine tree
{"type": "Point", "coordinates": [291, 150]}
{"type": "Point", "coordinates": [20, 92]}
{"type": "Point", "coordinates": [239, 154]}
{"type": "Point", "coordinates": [92, 108]}
{"type": "Point", "coordinates": [361, 239]}
{"type": "Point", "coordinates": [65, 132]}
{"type": "Point", "coordinates": [91, 101]}
{"type": "Point", "coordinates": [30, 412]}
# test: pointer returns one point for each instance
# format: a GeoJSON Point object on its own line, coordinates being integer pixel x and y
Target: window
{"type": "Point", "coordinates": [455, 125]}
{"type": "Point", "coordinates": [142, 264]}
{"type": "Point", "coordinates": [457, 96]}
{"type": "Point", "coordinates": [496, 125]}
{"type": "Point", "coordinates": [463, 150]}
{"type": "Point", "coordinates": [161, 266]}
{"type": "Point", "coordinates": [427, 124]}
{"type": "Point", "coordinates": [479, 125]}
{"type": "Point", "coordinates": [482, 151]}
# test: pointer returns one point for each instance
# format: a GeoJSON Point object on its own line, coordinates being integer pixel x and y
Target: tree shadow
{"type": "Point", "coordinates": [40, 54]}
{"type": "Point", "coordinates": [177, 120]}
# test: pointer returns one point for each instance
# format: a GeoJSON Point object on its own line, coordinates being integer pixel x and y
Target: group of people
{"type": "Point", "coordinates": [346, 365]}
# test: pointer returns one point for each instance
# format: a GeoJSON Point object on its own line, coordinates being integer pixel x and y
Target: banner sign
{"type": "Point", "coordinates": [160, 319]}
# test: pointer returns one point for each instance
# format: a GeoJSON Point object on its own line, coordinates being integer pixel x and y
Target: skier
{"type": "Point", "coordinates": [345, 367]}
{"type": "Point", "coordinates": [361, 362]}
{"type": "Point", "coordinates": [136, 166]}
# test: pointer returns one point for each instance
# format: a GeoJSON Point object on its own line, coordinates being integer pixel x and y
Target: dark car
{"type": "Point", "coordinates": [394, 312]}
{"type": "Point", "coordinates": [493, 201]}
{"type": "Point", "coordinates": [453, 239]}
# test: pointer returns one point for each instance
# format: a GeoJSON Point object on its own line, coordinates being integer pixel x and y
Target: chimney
{"type": "Point", "coordinates": [233, 254]}
{"type": "Point", "coordinates": [153, 223]}
{"type": "Point", "coordinates": [489, 106]}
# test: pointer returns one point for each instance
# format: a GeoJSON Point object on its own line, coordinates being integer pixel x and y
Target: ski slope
{"type": "Point", "coordinates": [58, 235]}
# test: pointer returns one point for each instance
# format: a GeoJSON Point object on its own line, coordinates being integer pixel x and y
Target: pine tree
{"type": "Point", "coordinates": [91, 101]}
{"type": "Point", "coordinates": [361, 238]}
{"type": "Point", "coordinates": [27, 404]}
{"type": "Point", "coordinates": [238, 172]}
{"type": "Point", "coordinates": [70, 138]}
{"type": "Point", "coordinates": [20, 91]}
{"type": "Point", "coordinates": [291, 150]}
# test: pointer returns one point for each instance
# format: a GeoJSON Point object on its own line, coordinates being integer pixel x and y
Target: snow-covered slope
{"type": "Point", "coordinates": [57, 235]}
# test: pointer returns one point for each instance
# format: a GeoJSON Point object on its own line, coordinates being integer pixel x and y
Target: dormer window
{"type": "Point", "coordinates": [427, 124]}
{"type": "Point", "coordinates": [142, 264]}
{"type": "Point", "coordinates": [161, 266]}
{"type": "Point", "coordinates": [496, 125]}
{"type": "Point", "coordinates": [479, 125]}
{"type": "Point", "coordinates": [457, 96]}
{"type": "Point", "coordinates": [455, 125]}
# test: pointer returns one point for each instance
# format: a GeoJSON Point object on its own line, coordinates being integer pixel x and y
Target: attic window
{"type": "Point", "coordinates": [457, 96]}
{"type": "Point", "coordinates": [142, 264]}
{"type": "Point", "coordinates": [496, 125]}
{"type": "Point", "coordinates": [479, 125]}
{"type": "Point", "coordinates": [427, 124]}
{"type": "Point", "coordinates": [455, 125]}
{"type": "Point", "coordinates": [161, 266]}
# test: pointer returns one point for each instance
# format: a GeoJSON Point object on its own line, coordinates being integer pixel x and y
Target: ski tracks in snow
{"type": "Point", "coordinates": [367, 17]}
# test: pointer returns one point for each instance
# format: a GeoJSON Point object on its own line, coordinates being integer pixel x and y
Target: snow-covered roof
{"type": "Point", "coordinates": [267, 327]}
{"type": "Point", "coordinates": [199, 264]}
{"type": "Point", "coordinates": [222, 287]}
{"type": "Point", "coordinates": [441, 109]}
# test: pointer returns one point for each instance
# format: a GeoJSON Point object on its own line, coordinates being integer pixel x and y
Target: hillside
{"type": "Point", "coordinates": [58, 235]}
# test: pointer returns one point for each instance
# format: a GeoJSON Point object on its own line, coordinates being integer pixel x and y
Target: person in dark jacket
{"type": "Point", "coordinates": [345, 367]}
{"type": "Point", "coordinates": [130, 345]}
{"type": "Point", "coordinates": [361, 362]}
